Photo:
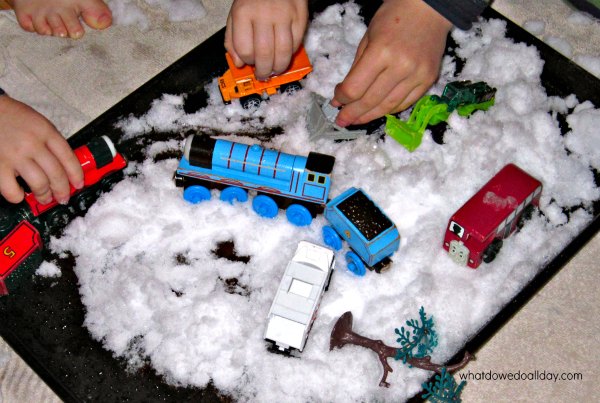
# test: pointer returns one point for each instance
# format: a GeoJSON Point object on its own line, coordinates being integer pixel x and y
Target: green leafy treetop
{"type": "Point", "coordinates": [444, 389]}
{"type": "Point", "coordinates": [423, 337]}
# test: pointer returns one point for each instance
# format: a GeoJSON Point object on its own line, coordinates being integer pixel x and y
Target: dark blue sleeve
{"type": "Point", "coordinates": [461, 13]}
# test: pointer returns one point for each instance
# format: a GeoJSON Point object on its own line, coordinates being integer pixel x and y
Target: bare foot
{"type": "Point", "coordinates": [61, 17]}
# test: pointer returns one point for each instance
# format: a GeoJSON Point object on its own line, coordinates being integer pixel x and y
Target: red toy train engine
{"type": "Point", "coordinates": [475, 232]}
{"type": "Point", "coordinates": [98, 159]}
{"type": "Point", "coordinates": [23, 226]}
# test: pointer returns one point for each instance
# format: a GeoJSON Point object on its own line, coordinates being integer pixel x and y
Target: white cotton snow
{"type": "Point", "coordinates": [584, 137]}
{"type": "Point", "coordinates": [140, 13]}
{"type": "Point", "coordinates": [155, 292]}
{"type": "Point", "coordinates": [589, 62]}
{"type": "Point", "coordinates": [560, 44]}
{"type": "Point", "coordinates": [535, 27]}
{"type": "Point", "coordinates": [181, 10]}
{"type": "Point", "coordinates": [581, 18]}
{"type": "Point", "coordinates": [128, 12]}
{"type": "Point", "coordinates": [48, 269]}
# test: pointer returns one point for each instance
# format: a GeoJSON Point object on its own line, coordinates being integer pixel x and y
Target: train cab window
{"type": "Point", "coordinates": [321, 180]}
{"type": "Point", "coordinates": [456, 229]}
{"type": "Point", "coordinates": [311, 177]}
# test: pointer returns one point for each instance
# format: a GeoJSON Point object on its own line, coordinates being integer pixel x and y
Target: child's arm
{"type": "Point", "coordinates": [32, 148]}
{"type": "Point", "coordinates": [265, 33]}
{"type": "Point", "coordinates": [397, 61]}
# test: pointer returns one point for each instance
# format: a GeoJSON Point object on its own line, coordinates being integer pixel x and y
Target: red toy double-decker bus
{"type": "Point", "coordinates": [475, 232]}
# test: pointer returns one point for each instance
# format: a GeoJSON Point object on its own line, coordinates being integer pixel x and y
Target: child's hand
{"type": "Point", "coordinates": [397, 61]}
{"type": "Point", "coordinates": [32, 148]}
{"type": "Point", "coordinates": [265, 33]}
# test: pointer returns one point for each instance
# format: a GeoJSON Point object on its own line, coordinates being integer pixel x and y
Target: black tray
{"type": "Point", "coordinates": [43, 321]}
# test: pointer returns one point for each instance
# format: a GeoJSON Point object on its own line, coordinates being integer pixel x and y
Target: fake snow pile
{"type": "Point", "coordinates": [140, 13]}
{"type": "Point", "coordinates": [156, 293]}
{"type": "Point", "coordinates": [576, 22]}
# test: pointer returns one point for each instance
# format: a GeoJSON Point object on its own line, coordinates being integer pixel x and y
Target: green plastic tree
{"type": "Point", "coordinates": [444, 389]}
{"type": "Point", "coordinates": [422, 338]}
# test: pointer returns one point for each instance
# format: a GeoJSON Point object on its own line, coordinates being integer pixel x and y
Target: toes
{"type": "Point", "coordinates": [25, 22]}
{"type": "Point", "coordinates": [72, 24]}
{"type": "Point", "coordinates": [57, 26]}
{"type": "Point", "coordinates": [97, 15]}
{"type": "Point", "coordinates": [40, 25]}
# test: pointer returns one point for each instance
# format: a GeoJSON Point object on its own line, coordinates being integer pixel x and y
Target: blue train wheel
{"type": "Point", "coordinates": [298, 215]}
{"type": "Point", "coordinates": [355, 264]}
{"type": "Point", "coordinates": [265, 206]}
{"type": "Point", "coordinates": [234, 193]}
{"type": "Point", "coordinates": [331, 238]}
{"type": "Point", "coordinates": [196, 193]}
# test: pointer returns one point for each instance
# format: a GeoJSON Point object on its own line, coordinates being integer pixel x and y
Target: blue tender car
{"type": "Point", "coordinates": [371, 235]}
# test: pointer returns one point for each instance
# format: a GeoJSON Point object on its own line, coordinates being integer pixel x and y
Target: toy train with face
{"type": "Point", "coordinates": [475, 232]}
{"type": "Point", "coordinates": [23, 226]}
{"type": "Point", "coordinates": [298, 184]}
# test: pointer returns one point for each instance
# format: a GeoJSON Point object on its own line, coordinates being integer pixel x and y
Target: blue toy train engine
{"type": "Point", "coordinates": [298, 184]}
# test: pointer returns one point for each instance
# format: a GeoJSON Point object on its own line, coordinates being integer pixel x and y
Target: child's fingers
{"type": "Point", "coordinates": [359, 51]}
{"type": "Point", "coordinates": [229, 43]}
{"type": "Point", "coordinates": [264, 52]}
{"type": "Point", "coordinates": [385, 92]}
{"type": "Point", "coordinates": [37, 180]}
{"type": "Point", "coordinates": [283, 48]}
{"type": "Point", "coordinates": [57, 26]}
{"type": "Point", "coordinates": [358, 80]}
{"type": "Point", "coordinates": [401, 97]}
{"type": "Point", "coordinates": [243, 39]}
{"type": "Point", "coordinates": [412, 97]}
{"type": "Point", "coordinates": [57, 177]}
{"type": "Point", "coordinates": [60, 148]}
{"type": "Point", "coordinates": [9, 188]}
{"type": "Point", "coordinates": [298, 28]}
